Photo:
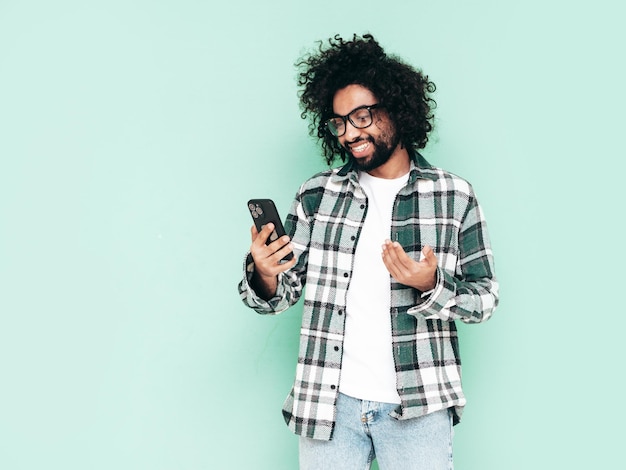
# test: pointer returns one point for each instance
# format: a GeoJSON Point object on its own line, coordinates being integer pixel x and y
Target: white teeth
{"type": "Point", "coordinates": [360, 148]}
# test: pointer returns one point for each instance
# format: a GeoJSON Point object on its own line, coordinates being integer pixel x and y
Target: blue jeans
{"type": "Point", "coordinates": [364, 431]}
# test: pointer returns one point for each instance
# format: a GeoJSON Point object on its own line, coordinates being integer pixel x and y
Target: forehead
{"type": "Point", "coordinates": [350, 97]}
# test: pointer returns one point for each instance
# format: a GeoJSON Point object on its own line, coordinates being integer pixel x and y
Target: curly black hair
{"type": "Point", "coordinates": [404, 91]}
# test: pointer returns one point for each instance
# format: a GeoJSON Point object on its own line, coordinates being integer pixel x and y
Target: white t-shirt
{"type": "Point", "coordinates": [367, 368]}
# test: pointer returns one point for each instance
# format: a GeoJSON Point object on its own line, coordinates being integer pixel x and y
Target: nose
{"type": "Point", "coordinates": [351, 132]}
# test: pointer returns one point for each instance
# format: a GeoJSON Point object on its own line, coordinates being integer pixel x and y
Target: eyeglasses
{"type": "Point", "coordinates": [360, 118]}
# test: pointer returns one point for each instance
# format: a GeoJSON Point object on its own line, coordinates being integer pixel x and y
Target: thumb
{"type": "Point", "coordinates": [429, 255]}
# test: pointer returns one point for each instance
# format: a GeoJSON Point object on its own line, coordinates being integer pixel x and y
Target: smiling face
{"type": "Point", "coordinates": [374, 147]}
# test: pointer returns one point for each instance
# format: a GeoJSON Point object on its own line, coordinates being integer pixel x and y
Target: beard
{"type": "Point", "coordinates": [383, 149]}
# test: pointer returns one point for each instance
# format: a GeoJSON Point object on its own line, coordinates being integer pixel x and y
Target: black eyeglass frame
{"type": "Point", "coordinates": [348, 118]}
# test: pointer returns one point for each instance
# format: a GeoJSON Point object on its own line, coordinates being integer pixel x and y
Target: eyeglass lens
{"type": "Point", "coordinates": [359, 118]}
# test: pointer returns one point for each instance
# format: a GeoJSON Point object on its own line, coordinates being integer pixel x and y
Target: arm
{"type": "Point", "coordinates": [269, 287]}
{"type": "Point", "coordinates": [470, 294]}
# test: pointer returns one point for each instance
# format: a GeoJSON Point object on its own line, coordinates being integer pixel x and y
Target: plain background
{"type": "Point", "coordinates": [133, 132]}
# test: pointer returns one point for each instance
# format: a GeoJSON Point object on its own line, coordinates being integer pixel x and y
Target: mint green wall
{"type": "Point", "coordinates": [131, 135]}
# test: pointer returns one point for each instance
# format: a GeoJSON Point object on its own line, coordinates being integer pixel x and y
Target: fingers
{"type": "Point", "coordinates": [272, 265]}
{"type": "Point", "coordinates": [259, 239]}
{"type": "Point", "coordinates": [395, 255]}
{"type": "Point", "coordinates": [406, 270]}
{"type": "Point", "coordinates": [395, 252]}
{"type": "Point", "coordinates": [267, 258]}
{"type": "Point", "coordinates": [429, 256]}
{"type": "Point", "coordinates": [284, 266]}
{"type": "Point", "coordinates": [264, 234]}
{"type": "Point", "coordinates": [393, 259]}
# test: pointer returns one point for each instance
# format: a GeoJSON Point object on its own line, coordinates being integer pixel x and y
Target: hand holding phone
{"type": "Point", "coordinates": [263, 211]}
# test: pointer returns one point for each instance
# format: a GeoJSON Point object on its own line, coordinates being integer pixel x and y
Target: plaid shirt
{"type": "Point", "coordinates": [435, 208]}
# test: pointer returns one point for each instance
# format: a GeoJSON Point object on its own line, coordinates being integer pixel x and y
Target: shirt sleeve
{"type": "Point", "coordinates": [291, 282]}
{"type": "Point", "coordinates": [471, 294]}
{"type": "Point", "coordinates": [251, 299]}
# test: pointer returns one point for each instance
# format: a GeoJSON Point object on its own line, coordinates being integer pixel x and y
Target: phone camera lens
{"type": "Point", "coordinates": [259, 210]}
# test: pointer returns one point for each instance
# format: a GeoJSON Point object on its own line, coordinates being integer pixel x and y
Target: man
{"type": "Point", "coordinates": [392, 251]}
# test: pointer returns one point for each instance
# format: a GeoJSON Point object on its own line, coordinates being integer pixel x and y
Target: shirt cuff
{"type": "Point", "coordinates": [425, 297]}
{"type": "Point", "coordinates": [427, 293]}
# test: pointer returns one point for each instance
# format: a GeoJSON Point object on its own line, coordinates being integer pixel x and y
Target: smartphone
{"type": "Point", "coordinates": [264, 211]}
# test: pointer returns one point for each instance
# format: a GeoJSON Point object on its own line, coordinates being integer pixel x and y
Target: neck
{"type": "Point", "coordinates": [398, 165]}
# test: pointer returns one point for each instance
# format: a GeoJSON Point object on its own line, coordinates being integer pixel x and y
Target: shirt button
{"type": "Point", "coordinates": [336, 348]}
{"type": "Point", "coordinates": [332, 387]}
{"type": "Point", "coordinates": [352, 238]}
{"type": "Point", "coordinates": [340, 312]}
{"type": "Point", "coordinates": [362, 206]}
{"type": "Point", "coordinates": [345, 274]}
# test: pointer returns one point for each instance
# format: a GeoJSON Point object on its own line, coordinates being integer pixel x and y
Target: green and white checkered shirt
{"type": "Point", "coordinates": [435, 208]}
